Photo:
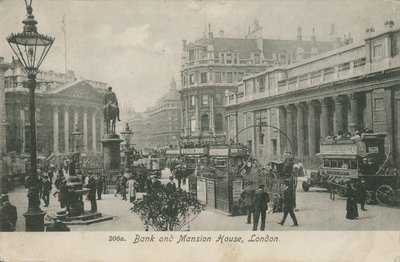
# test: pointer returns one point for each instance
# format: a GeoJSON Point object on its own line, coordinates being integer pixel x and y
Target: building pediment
{"type": "Point", "coordinates": [79, 89]}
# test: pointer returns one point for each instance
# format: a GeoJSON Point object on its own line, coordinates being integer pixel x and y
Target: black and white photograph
{"type": "Point", "coordinates": [199, 122]}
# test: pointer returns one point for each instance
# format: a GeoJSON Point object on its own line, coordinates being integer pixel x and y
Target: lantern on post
{"type": "Point", "coordinates": [76, 136]}
{"type": "Point", "coordinates": [31, 48]}
{"type": "Point", "coordinates": [127, 135]}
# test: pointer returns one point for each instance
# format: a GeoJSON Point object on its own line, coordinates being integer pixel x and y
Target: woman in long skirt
{"type": "Point", "coordinates": [351, 204]}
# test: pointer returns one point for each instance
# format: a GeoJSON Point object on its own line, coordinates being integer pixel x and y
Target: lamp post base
{"type": "Point", "coordinates": [34, 221]}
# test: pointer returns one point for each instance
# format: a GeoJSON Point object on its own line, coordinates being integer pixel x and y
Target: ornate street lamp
{"type": "Point", "coordinates": [31, 48]}
{"type": "Point", "coordinates": [126, 135]}
{"type": "Point", "coordinates": [76, 137]}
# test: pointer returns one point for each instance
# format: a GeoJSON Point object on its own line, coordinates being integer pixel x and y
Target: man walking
{"type": "Point", "coordinates": [248, 196]}
{"type": "Point", "coordinates": [8, 215]}
{"type": "Point", "coordinates": [171, 184]}
{"type": "Point", "coordinates": [361, 192]}
{"type": "Point", "coordinates": [261, 199]}
{"type": "Point", "coordinates": [46, 191]}
{"type": "Point", "coordinates": [92, 193]}
{"type": "Point", "coordinates": [288, 204]}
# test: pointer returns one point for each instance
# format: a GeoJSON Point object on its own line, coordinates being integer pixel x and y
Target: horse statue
{"type": "Point", "coordinates": [110, 117]}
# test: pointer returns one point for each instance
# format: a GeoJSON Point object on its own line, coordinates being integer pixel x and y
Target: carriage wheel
{"type": "Point", "coordinates": [385, 195]}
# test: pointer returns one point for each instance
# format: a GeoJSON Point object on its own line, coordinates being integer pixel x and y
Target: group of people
{"type": "Point", "coordinates": [256, 202]}
{"type": "Point", "coordinates": [356, 193]}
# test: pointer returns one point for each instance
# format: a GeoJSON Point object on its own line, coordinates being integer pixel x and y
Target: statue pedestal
{"type": "Point", "coordinates": [111, 151]}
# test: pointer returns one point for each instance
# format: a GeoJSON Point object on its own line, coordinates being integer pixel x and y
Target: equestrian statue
{"type": "Point", "coordinates": [111, 110]}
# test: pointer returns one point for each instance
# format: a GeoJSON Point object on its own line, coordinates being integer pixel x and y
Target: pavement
{"type": "Point", "coordinates": [316, 212]}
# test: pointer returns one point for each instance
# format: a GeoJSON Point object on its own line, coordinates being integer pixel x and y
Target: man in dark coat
{"type": "Point", "coordinates": [99, 184]}
{"type": "Point", "coordinates": [123, 181]}
{"type": "Point", "coordinates": [92, 193]}
{"type": "Point", "coordinates": [46, 191]}
{"type": "Point", "coordinates": [288, 204]}
{"type": "Point", "coordinates": [362, 193]}
{"type": "Point", "coordinates": [261, 199]}
{"type": "Point", "coordinates": [57, 226]}
{"type": "Point", "coordinates": [8, 215]}
{"type": "Point", "coordinates": [63, 194]}
{"type": "Point", "coordinates": [248, 196]}
{"type": "Point", "coordinates": [351, 203]}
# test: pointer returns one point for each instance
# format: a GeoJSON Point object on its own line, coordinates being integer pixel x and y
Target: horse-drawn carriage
{"type": "Point", "coordinates": [344, 160]}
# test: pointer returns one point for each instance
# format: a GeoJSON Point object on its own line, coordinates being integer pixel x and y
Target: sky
{"type": "Point", "coordinates": [136, 45]}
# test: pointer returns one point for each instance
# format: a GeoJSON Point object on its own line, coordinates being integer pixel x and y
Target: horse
{"type": "Point", "coordinates": [110, 117]}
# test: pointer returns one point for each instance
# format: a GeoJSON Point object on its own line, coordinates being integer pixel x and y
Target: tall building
{"type": "Point", "coordinates": [3, 68]}
{"type": "Point", "coordinates": [350, 88]}
{"type": "Point", "coordinates": [165, 119]}
{"type": "Point", "coordinates": [62, 103]}
{"type": "Point", "coordinates": [212, 66]}
{"type": "Point", "coordinates": [158, 125]}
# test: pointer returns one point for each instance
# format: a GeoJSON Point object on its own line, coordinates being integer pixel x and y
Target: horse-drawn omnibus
{"type": "Point", "coordinates": [350, 159]}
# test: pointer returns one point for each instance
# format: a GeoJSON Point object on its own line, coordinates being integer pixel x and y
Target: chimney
{"type": "Point", "coordinates": [210, 34]}
{"type": "Point", "coordinates": [184, 43]}
{"type": "Point", "coordinates": [299, 35]}
{"type": "Point", "coordinates": [313, 37]}
{"type": "Point", "coordinates": [221, 33]}
{"type": "Point", "coordinates": [389, 24]}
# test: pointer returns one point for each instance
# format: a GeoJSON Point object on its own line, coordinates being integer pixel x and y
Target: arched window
{"type": "Point", "coordinates": [192, 124]}
{"type": "Point", "coordinates": [219, 123]}
{"type": "Point", "coordinates": [205, 123]}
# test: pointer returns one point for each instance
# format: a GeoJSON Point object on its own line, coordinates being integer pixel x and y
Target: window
{"type": "Point", "coordinates": [378, 51]}
{"type": "Point", "coordinates": [274, 147]}
{"type": "Point", "coordinates": [205, 123]}
{"type": "Point", "coordinates": [219, 123]}
{"type": "Point", "coordinates": [261, 87]}
{"type": "Point", "coordinates": [272, 81]}
{"type": "Point", "coordinates": [204, 100]}
{"type": "Point", "coordinates": [248, 88]}
{"type": "Point", "coordinates": [218, 99]}
{"type": "Point", "coordinates": [191, 55]}
{"type": "Point", "coordinates": [257, 59]}
{"type": "Point", "coordinates": [216, 55]}
{"type": "Point", "coordinates": [192, 124]}
{"type": "Point", "coordinates": [218, 78]}
{"type": "Point", "coordinates": [239, 76]}
{"type": "Point", "coordinates": [229, 77]}
{"type": "Point", "coordinates": [192, 101]}
{"type": "Point", "coordinates": [203, 78]}
{"type": "Point", "coordinates": [235, 58]}
{"type": "Point", "coordinates": [378, 105]}
{"type": "Point", "coordinates": [191, 79]}
{"type": "Point", "coordinates": [229, 58]}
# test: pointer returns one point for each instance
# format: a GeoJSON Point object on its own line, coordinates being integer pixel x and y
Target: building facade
{"type": "Point", "coordinates": [159, 125]}
{"type": "Point", "coordinates": [212, 66]}
{"type": "Point", "coordinates": [351, 88]}
{"type": "Point", "coordinates": [62, 103]}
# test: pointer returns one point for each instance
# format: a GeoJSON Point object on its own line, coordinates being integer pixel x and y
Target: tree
{"type": "Point", "coordinates": [166, 209]}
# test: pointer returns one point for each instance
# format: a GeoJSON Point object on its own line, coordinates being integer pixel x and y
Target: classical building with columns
{"type": "Point", "coordinates": [62, 103]}
{"type": "Point", "coordinates": [353, 87]}
{"type": "Point", "coordinates": [212, 66]}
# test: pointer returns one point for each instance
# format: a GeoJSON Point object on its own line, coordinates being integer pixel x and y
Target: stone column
{"type": "Point", "coordinates": [300, 130]}
{"type": "Point", "coordinates": [75, 118]}
{"type": "Point", "coordinates": [354, 113]}
{"type": "Point", "coordinates": [312, 146]}
{"type": "Point", "coordinates": [55, 129]}
{"type": "Point", "coordinates": [22, 114]}
{"type": "Point", "coordinates": [187, 119]}
{"type": "Point", "coordinates": [289, 128]}
{"type": "Point", "coordinates": [94, 142]}
{"type": "Point", "coordinates": [85, 131]}
{"type": "Point", "coordinates": [338, 119]}
{"type": "Point", "coordinates": [66, 129]}
{"type": "Point", "coordinates": [3, 68]}
{"type": "Point", "coordinates": [212, 126]}
{"type": "Point", "coordinates": [324, 118]}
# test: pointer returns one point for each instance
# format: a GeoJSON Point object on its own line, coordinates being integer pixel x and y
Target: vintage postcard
{"type": "Point", "coordinates": [199, 130]}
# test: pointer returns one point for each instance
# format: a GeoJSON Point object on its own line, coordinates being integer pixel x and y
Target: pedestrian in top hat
{"type": "Point", "coordinates": [8, 215]}
{"type": "Point", "coordinates": [261, 199]}
{"type": "Point", "coordinates": [288, 204]}
{"type": "Point", "coordinates": [351, 203]}
{"type": "Point", "coordinates": [361, 192]}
